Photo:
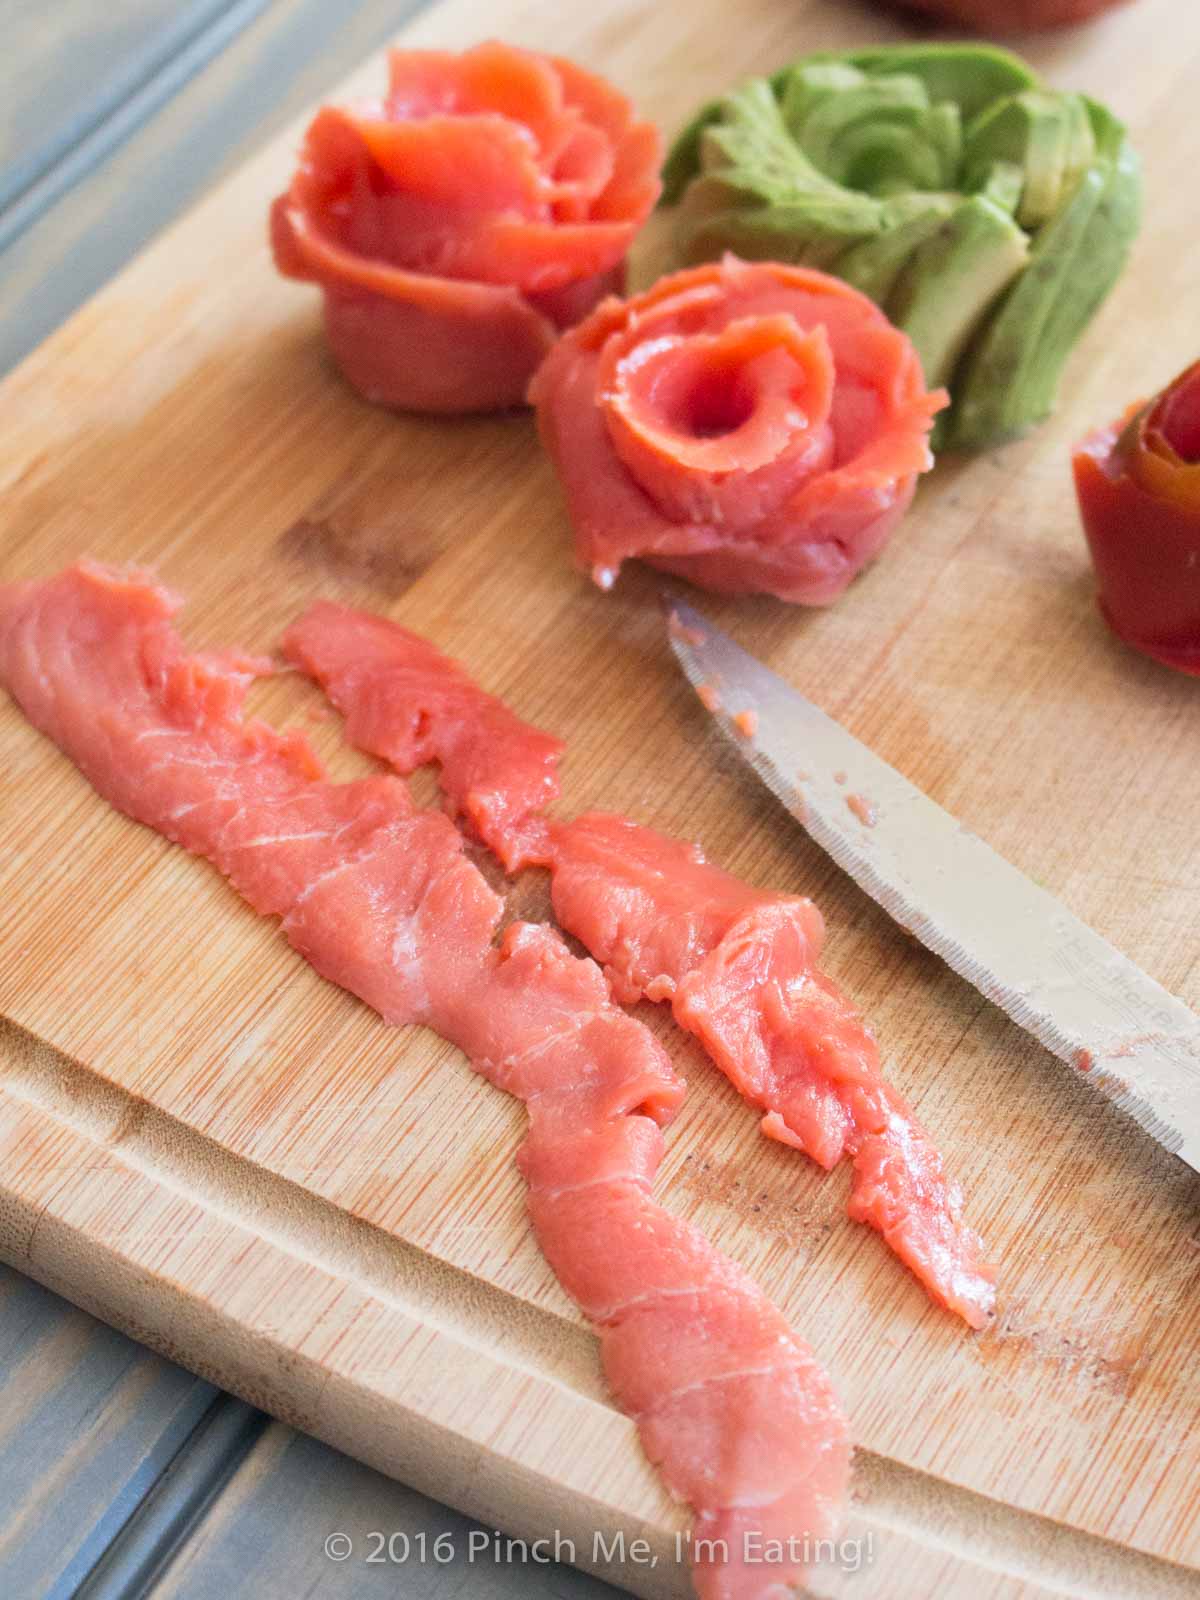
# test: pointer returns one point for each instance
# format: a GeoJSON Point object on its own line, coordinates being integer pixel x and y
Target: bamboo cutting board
{"type": "Point", "coordinates": [236, 1162]}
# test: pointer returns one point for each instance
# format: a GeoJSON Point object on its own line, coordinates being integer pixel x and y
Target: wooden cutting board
{"type": "Point", "coordinates": [238, 1163]}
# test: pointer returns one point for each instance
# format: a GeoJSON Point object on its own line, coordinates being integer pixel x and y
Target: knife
{"type": "Point", "coordinates": [1072, 990]}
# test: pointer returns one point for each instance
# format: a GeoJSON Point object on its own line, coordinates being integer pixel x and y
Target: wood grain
{"type": "Point", "coordinates": [424, 1372]}
{"type": "Point", "coordinates": [344, 1223]}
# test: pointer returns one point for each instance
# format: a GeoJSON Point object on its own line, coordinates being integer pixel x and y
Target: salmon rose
{"type": "Point", "coordinates": [753, 427]}
{"type": "Point", "coordinates": [460, 223]}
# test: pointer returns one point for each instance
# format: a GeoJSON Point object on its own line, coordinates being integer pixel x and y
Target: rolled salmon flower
{"type": "Point", "coordinates": [1139, 492]}
{"type": "Point", "coordinates": [460, 223]}
{"type": "Point", "coordinates": [753, 427]}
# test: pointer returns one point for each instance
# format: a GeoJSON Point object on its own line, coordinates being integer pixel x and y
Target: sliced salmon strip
{"type": "Point", "coordinates": [750, 426]}
{"type": "Point", "coordinates": [381, 899]}
{"type": "Point", "coordinates": [740, 966]}
{"type": "Point", "coordinates": [743, 974]}
{"type": "Point", "coordinates": [403, 700]}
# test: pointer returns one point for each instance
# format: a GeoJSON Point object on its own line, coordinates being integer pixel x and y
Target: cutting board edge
{"type": "Point", "coordinates": [50, 1228]}
{"type": "Point", "coordinates": [3, 1196]}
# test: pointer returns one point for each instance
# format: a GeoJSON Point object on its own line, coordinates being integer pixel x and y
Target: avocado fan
{"type": "Point", "coordinates": [987, 214]}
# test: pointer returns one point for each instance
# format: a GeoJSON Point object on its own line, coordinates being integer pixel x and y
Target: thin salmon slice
{"type": "Point", "coordinates": [408, 704]}
{"type": "Point", "coordinates": [740, 966]}
{"type": "Point", "coordinates": [731, 1406]}
{"type": "Point", "coordinates": [742, 971]}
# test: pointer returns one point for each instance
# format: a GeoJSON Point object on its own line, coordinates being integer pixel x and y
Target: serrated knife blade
{"type": "Point", "coordinates": [1013, 941]}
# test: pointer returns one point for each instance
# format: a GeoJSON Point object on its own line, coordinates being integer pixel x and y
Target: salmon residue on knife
{"type": "Point", "coordinates": [865, 810]}
{"type": "Point", "coordinates": [731, 1406]}
{"type": "Point", "coordinates": [680, 630]}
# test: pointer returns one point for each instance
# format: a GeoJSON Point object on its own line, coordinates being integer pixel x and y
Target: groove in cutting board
{"type": "Point", "coordinates": [908, 1514]}
{"type": "Point", "coordinates": [313, 1233]}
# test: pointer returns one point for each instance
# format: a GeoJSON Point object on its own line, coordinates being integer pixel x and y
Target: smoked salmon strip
{"type": "Point", "coordinates": [731, 1406]}
{"type": "Point", "coordinates": [741, 969]}
{"type": "Point", "coordinates": [458, 223]}
{"type": "Point", "coordinates": [753, 427]}
{"type": "Point", "coordinates": [740, 966]}
{"type": "Point", "coordinates": [407, 703]}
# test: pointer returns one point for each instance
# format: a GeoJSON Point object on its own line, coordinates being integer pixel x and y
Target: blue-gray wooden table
{"type": "Point", "coordinates": [121, 1474]}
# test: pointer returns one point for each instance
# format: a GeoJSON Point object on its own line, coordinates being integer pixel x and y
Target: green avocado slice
{"type": "Point", "coordinates": [874, 265]}
{"type": "Point", "coordinates": [1047, 134]}
{"type": "Point", "coordinates": [812, 233]}
{"type": "Point", "coordinates": [1009, 380]}
{"type": "Point", "coordinates": [1101, 259]}
{"type": "Point", "coordinates": [952, 279]}
{"type": "Point", "coordinates": [751, 149]}
{"type": "Point", "coordinates": [811, 84]}
{"type": "Point", "coordinates": [970, 75]}
{"type": "Point", "coordinates": [683, 158]}
{"type": "Point", "coordinates": [1003, 186]}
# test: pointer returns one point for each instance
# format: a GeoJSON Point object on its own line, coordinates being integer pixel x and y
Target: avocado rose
{"type": "Point", "coordinates": [756, 428]}
{"type": "Point", "coordinates": [1012, 16]}
{"type": "Point", "coordinates": [1138, 484]}
{"type": "Point", "coordinates": [987, 214]}
{"type": "Point", "coordinates": [459, 223]}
